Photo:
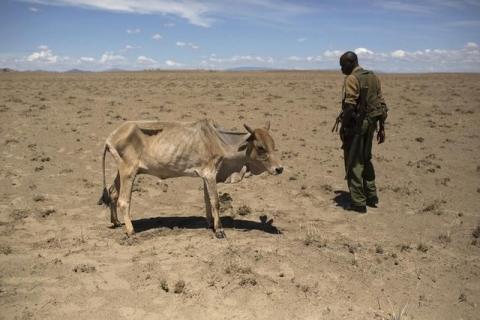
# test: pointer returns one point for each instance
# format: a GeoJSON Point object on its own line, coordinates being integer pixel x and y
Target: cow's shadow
{"type": "Point", "coordinates": [342, 198]}
{"type": "Point", "coordinates": [198, 222]}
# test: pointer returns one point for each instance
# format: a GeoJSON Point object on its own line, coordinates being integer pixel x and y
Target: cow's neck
{"type": "Point", "coordinates": [233, 167]}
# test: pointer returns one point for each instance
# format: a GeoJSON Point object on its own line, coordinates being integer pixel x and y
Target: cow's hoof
{"type": "Point", "coordinates": [130, 233]}
{"type": "Point", "coordinates": [220, 234]}
{"type": "Point", "coordinates": [116, 224]}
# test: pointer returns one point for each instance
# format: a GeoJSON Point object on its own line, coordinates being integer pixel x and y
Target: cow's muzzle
{"type": "Point", "coordinates": [277, 170]}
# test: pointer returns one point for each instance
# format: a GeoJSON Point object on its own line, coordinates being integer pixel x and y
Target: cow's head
{"type": "Point", "coordinates": [261, 152]}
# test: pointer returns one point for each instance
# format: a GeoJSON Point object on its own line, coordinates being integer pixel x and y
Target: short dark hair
{"type": "Point", "coordinates": [349, 56]}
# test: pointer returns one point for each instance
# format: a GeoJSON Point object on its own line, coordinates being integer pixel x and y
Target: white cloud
{"type": "Point", "coordinates": [294, 58]}
{"type": "Point", "coordinates": [187, 44]}
{"type": "Point", "coordinates": [301, 39]}
{"type": "Point", "coordinates": [111, 58]}
{"type": "Point", "coordinates": [403, 6]}
{"type": "Point", "coordinates": [169, 24]}
{"type": "Point", "coordinates": [398, 54]}
{"type": "Point", "coordinates": [45, 55]}
{"type": "Point", "coordinates": [157, 36]}
{"type": "Point", "coordinates": [145, 60]}
{"type": "Point", "coordinates": [130, 47]}
{"type": "Point", "coordinates": [196, 12]}
{"type": "Point", "coordinates": [33, 9]}
{"type": "Point", "coordinates": [213, 60]}
{"type": "Point", "coordinates": [363, 52]}
{"type": "Point", "coordinates": [172, 63]}
{"type": "Point", "coordinates": [471, 45]}
{"type": "Point", "coordinates": [87, 59]}
{"type": "Point", "coordinates": [332, 54]}
{"type": "Point", "coordinates": [134, 31]}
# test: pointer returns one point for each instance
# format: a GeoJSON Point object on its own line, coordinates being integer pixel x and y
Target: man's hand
{"type": "Point", "coordinates": [381, 135]}
{"type": "Point", "coordinates": [349, 115]}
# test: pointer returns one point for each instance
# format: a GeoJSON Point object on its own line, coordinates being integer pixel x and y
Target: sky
{"type": "Point", "coordinates": [388, 35]}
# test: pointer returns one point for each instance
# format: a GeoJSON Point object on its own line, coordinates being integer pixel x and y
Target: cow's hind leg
{"type": "Point", "coordinates": [114, 194]}
{"type": "Point", "coordinates": [127, 177]}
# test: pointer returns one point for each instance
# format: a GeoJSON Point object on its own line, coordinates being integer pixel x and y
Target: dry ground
{"type": "Point", "coordinates": [292, 251]}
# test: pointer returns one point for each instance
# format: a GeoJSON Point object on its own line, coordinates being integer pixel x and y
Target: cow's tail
{"type": "Point", "coordinates": [105, 197]}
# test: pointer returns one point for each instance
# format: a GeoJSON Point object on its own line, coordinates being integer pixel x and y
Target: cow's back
{"type": "Point", "coordinates": [177, 149]}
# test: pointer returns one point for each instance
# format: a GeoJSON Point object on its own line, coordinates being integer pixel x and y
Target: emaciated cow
{"type": "Point", "coordinates": [195, 149]}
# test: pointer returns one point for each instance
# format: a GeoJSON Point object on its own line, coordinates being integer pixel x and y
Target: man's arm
{"type": "Point", "coordinates": [350, 98]}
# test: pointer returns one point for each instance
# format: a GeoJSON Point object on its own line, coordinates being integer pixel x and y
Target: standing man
{"type": "Point", "coordinates": [363, 112]}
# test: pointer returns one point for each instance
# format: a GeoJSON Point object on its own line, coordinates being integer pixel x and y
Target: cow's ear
{"type": "Point", "coordinates": [267, 125]}
{"type": "Point", "coordinates": [243, 146]}
{"type": "Point", "coordinates": [248, 128]}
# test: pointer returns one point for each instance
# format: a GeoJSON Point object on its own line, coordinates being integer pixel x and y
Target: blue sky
{"type": "Point", "coordinates": [398, 36]}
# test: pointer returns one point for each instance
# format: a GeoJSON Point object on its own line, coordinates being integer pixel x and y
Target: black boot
{"type": "Point", "coordinates": [372, 202]}
{"type": "Point", "coordinates": [359, 209]}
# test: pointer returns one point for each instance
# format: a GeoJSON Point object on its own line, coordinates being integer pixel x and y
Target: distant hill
{"type": "Point", "coordinates": [251, 69]}
{"type": "Point", "coordinates": [77, 71]}
{"type": "Point", "coordinates": [7, 70]}
{"type": "Point", "coordinates": [115, 70]}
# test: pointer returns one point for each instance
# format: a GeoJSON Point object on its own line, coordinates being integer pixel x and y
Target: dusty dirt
{"type": "Point", "coordinates": [292, 250]}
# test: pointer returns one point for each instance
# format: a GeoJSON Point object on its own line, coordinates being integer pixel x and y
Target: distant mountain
{"type": "Point", "coordinates": [114, 70]}
{"type": "Point", "coordinates": [251, 69]}
{"type": "Point", "coordinates": [76, 71]}
{"type": "Point", "coordinates": [7, 70]}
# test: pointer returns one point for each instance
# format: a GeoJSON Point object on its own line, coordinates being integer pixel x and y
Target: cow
{"type": "Point", "coordinates": [175, 149]}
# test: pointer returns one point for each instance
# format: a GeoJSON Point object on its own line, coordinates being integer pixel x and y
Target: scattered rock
{"type": "Point", "coordinates": [445, 238]}
{"type": "Point", "coordinates": [327, 187]}
{"type": "Point", "coordinates": [476, 232]}
{"type": "Point", "coordinates": [225, 202]}
{"type": "Point", "coordinates": [38, 198]}
{"type": "Point", "coordinates": [5, 250]}
{"type": "Point", "coordinates": [46, 212]}
{"type": "Point", "coordinates": [422, 247]}
{"type": "Point", "coordinates": [244, 210]}
{"type": "Point", "coordinates": [179, 287]}
{"type": "Point", "coordinates": [248, 281]}
{"type": "Point", "coordinates": [434, 207]}
{"type": "Point", "coordinates": [18, 214]}
{"type": "Point", "coordinates": [84, 268]}
{"type": "Point", "coordinates": [164, 285]}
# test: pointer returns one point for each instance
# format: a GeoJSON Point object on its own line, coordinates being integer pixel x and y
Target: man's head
{"type": "Point", "coordinates": [348, 62]}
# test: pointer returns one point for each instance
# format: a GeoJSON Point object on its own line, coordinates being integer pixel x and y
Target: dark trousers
{"type": "Point", "coordinates": [360, 174]}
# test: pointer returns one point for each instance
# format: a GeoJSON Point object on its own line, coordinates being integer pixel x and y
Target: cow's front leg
{"type": "Point", "coordinates": [215, 206]}
{"type": "Point", "coordinates": [208, 205]}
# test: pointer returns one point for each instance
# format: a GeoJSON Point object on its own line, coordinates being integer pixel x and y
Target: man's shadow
{"type": "Point", "coordinates": [197, 222]}
{"type": "Point", "coordinates": [342, 199]}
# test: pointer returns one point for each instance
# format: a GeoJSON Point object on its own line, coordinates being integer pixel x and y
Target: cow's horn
{"type": "Point", "coordinates": [267, 125]}
{"type": "Point", "coordinates": [248, 128]}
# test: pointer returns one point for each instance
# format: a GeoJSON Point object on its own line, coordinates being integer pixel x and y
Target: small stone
{"type": "Point", "coordinates": [38, 198]}
{"type": "Point", "coordinates": [179, 287]}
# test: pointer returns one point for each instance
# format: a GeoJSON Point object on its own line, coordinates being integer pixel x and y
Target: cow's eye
{"type": "Point", "coordinates": [261, 149]}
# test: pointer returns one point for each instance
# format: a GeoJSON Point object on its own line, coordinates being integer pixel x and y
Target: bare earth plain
{"type": "Point", "coordinates": [292, 251]}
